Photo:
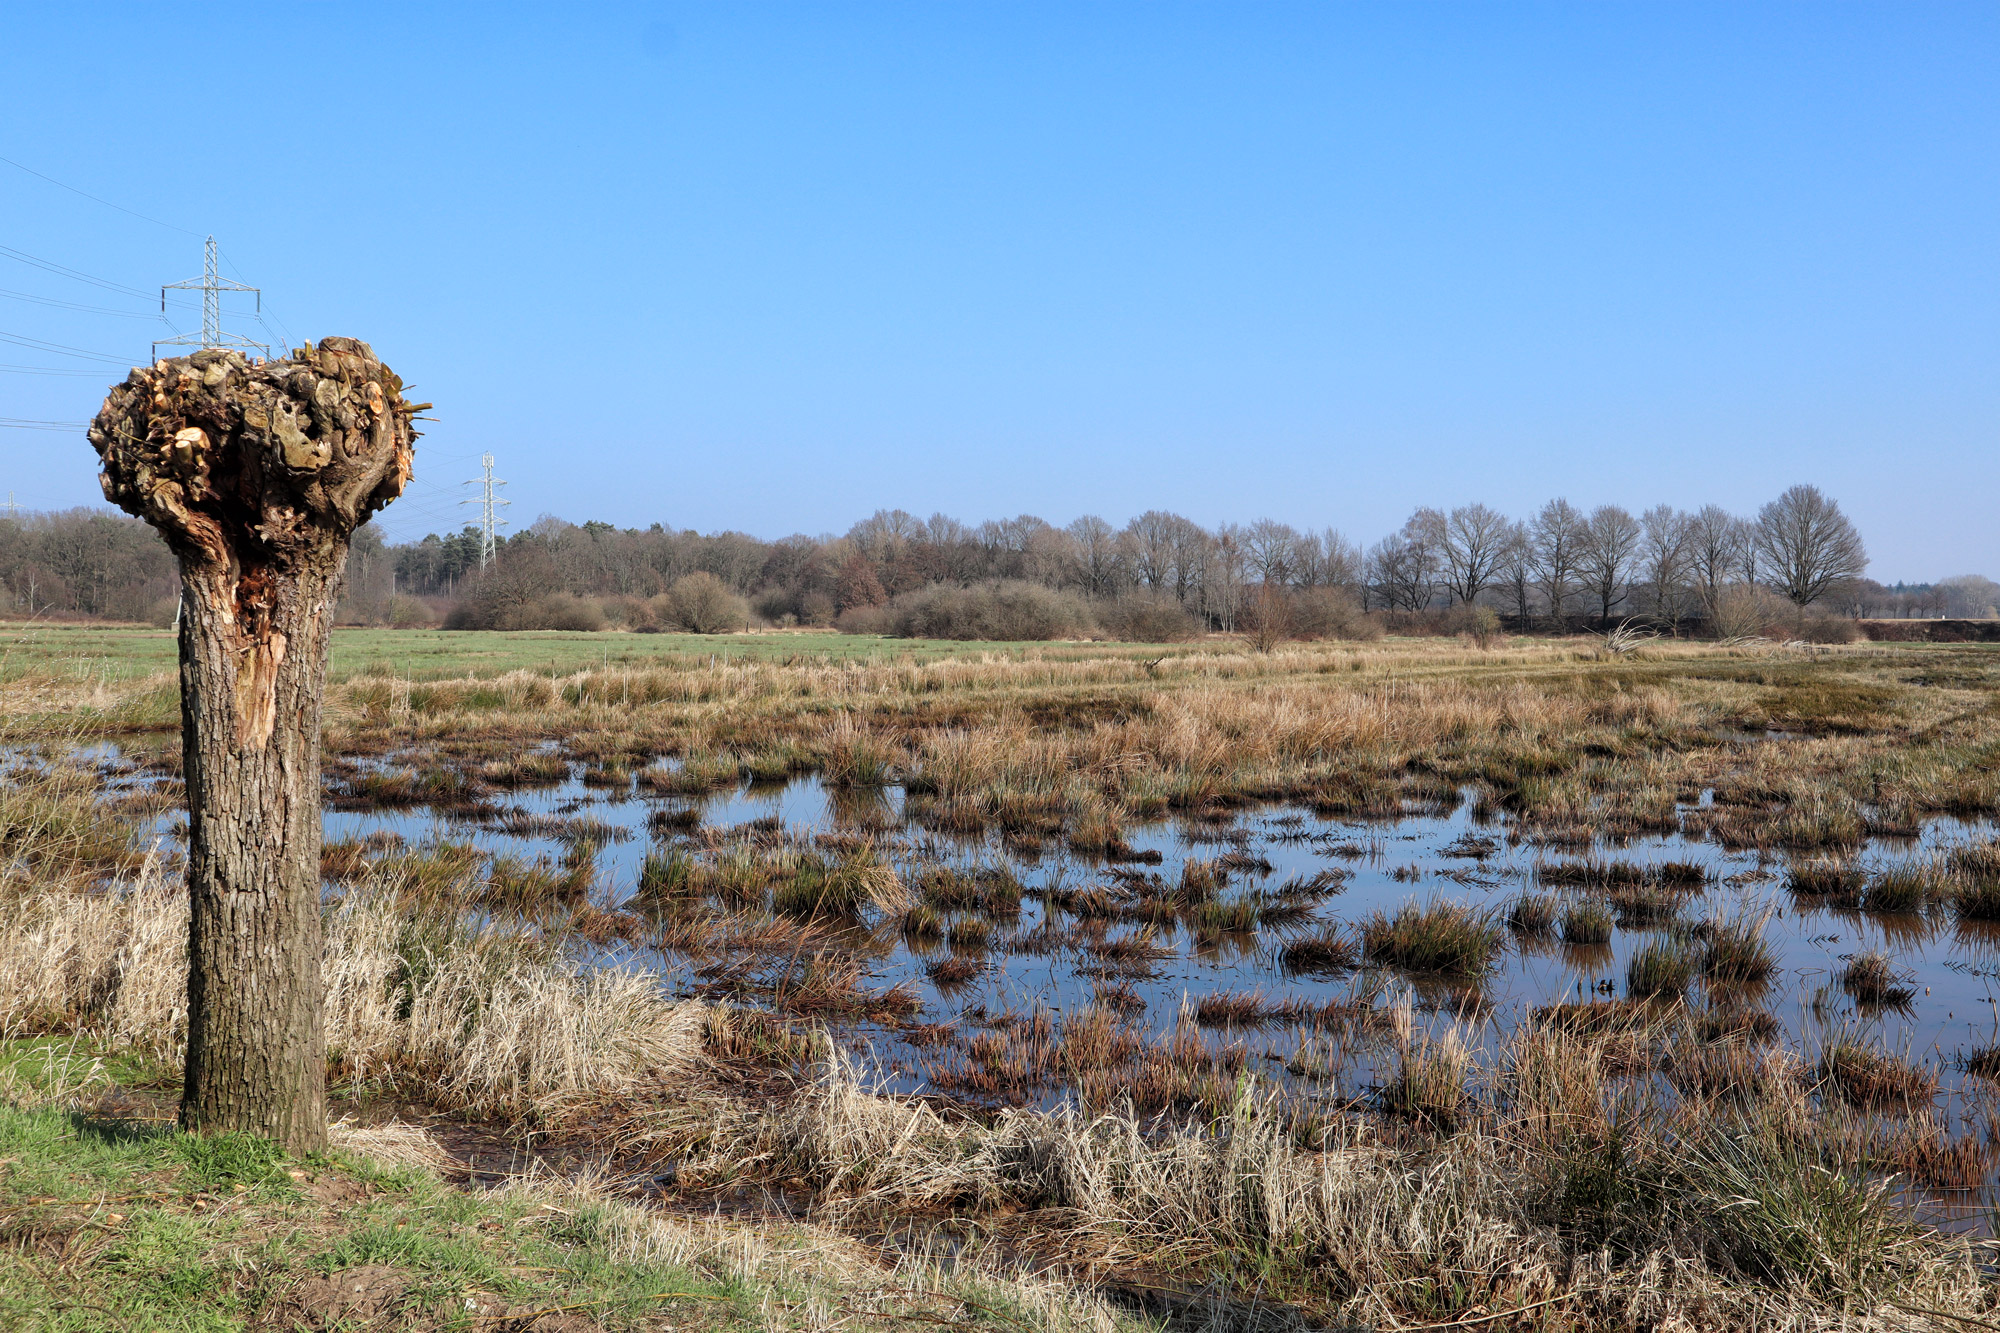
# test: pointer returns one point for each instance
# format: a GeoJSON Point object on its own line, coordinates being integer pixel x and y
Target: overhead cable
{"type": "Point", "coordinates": [63, 270]}
{"type": "Point", "coordinates": [95, 200]}
{"type": "Point", "coordinates": [41, 346]}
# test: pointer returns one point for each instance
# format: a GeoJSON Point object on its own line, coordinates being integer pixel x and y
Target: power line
{"type": "Point", "coordinates": [63, 270]}
{"type": "Point", "coordinates": [487, 503]}
{"type": "Point", "coordinates": [38, 345]}
{"type": "Point", "coordinates": [95, 200]}
{"type": "Point", "coordinates": [87, 309]}
{"type": "Point", "coordinates": [21, 423]}
{"type": "Point", "coordinates": [43, 370]}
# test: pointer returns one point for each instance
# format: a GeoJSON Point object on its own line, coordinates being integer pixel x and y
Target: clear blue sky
{"type": "Point", "coordinates": [772, 267]}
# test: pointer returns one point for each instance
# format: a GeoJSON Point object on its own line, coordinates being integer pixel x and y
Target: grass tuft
{"type": "Point", "coordinates": [1444, 937]}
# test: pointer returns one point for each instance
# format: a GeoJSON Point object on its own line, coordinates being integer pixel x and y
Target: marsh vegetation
{"type": "Point", "coordinates": [1397, 983]}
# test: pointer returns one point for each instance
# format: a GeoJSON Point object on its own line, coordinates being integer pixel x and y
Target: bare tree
{"type": "Point", "coordinates": [256, 475]}
{"type": "Point", "coordinates": [1712, 540]}
{"type": "Point", "coordinates": [1555, 542]}
{"type": "Point", "coordinates": [1403, 572]}
{"type": "Point", "coordinates": [1327, 560]}
{"type": "Point", "coordinates": [1808, 544]}
{"type": "Point", "coordinates": [1096, 553]}
{"type": "Point", "coordinates": [1272, 549]}
{"type": "Point", "coordinates": [1470, 541]}
{"type": "Point", "coordinates": [1516, 569]}
{"type": "Point", "coordinates": [1150, 545]}
{"type": "Point", "coordinates": [1605, 554]}
{"type": "Point", "coordinates": [1663, 558]}
{"type": "Point", "coordinates": [883, 534]}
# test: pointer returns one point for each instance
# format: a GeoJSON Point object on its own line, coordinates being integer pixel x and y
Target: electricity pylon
{"type": "Point", "coordinates": [211, 288]}
{"type": "Point", "coordinates": [488, 503]}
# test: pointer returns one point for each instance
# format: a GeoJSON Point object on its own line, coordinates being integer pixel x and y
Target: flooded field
{"type": "Point", "coordinates": [1420, 983]}
{"type": "Point", "coordinates": [1375, 964]}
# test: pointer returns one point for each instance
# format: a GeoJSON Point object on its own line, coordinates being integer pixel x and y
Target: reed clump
{"type": "Point", "coordinates": [1587, 922]}
{"type": "Point", "coordinates": [1441, 936]}
{"type": "Point", "coordinates": [1663, 969]}
{"type": "Point", "coordinates": [1873, 980]}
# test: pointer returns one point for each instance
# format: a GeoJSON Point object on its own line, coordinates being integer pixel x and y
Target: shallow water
{"type": "Point", "coordinates": [1953, 969]}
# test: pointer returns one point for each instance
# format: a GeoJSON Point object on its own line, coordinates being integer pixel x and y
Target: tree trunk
{"type": "Point", "coordinates": [256, 474]}
{"type": "Point", "coordinates": [256, 1050]}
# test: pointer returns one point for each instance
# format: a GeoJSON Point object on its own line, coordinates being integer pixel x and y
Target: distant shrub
{"type": "Point", "coordinates": [1478, 625]}
{"type": "Point", "coordinates": [701, 603]}
{"type": "Point", "coordinates": [1148, 620]}
{"type": "Point", "coordinates": [864, 620]}
{"type": "Point", "coordinates": [1431, 622]}
{"type": "Point", "coordinates": [1004, 610]}
{"type": "Point", "coordinates": [621, 612]}
{"type": "Point", "coordinates": [554, 611]}
{"type": "Point", "coordinates": [1826, 629]}
{"type": "Point", "coordinates": [774, 605]}
{"type": "Point", "coordinates": [409, 613]}
{"type": "Point", "coordinates": [1745, 611]}
{"type": "Point", "coordinates": [1265, 617]}
{"type": "Point", "coordinates": [558, 610]}
{"type": "Point", "coordinates": [816, 608]}
{"type": "Point", "coordinates": [1332, 613]}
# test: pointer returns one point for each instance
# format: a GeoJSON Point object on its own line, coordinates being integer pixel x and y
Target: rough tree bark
{"type": "Point", "coordinates": [257, 474]}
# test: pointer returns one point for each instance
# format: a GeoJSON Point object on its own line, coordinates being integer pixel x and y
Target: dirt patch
{"type": "Point", "coordinates": [354, 1298]}
{"type": "Point", "coordinates": [338, 1191]}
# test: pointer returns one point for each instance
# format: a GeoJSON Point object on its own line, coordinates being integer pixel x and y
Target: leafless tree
{"type": "Point", "coordinates": [1516, 569]}
{"type": "Point", "coordinates": [1191, 547]}
{"type": "Point", "coordinates": [1272, 549]}
{"type": "Point", "coordinates": [1469, 542]}
{"type": "Point", "coordinates": [1663, 560]}
{"type": "Point", "coordinates": [1808, 545]}
{"type": "Point", "coordinates": [1096, 553]}
{"type": "Point", "coordinates": [1403, 572]}
{"type": "Point", "coordinates": [1328, 560]}
{"type": "Point", "coordinates": [1150, 545]}
{"type": "Point", "coordinates": [1748, 554]}
{"type": "Point", "coordinates": [1712, 556]}
{"type": "Point", "coordinates": [1555, 546]}
{"type": "Point", "coordinates": [1605, 555]}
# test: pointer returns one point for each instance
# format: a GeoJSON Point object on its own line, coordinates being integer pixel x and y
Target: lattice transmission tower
{"type": "Point", "coordinates": [489, 504]}
{"type": "Point", "coordinates": [211, 286]}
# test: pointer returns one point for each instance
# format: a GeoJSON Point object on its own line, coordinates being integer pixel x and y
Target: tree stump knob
{"type": "Point", "coordinates": [244, 463]}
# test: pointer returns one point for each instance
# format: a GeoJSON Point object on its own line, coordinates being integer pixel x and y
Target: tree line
{"type": "Point", "coordinates": [1557, 567]}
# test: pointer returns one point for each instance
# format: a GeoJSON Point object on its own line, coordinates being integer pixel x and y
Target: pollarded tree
{"type": "Point", "coordinates": [256, 474]}
{"type": "Point", "coordinates": [1808, 545]}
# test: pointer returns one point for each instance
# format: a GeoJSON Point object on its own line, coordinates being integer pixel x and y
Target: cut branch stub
{"type": "Point", "coordinates": [257, 475]}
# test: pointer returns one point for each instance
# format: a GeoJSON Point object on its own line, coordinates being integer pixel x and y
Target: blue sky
{"type": "Point", "coordinates": [772, 267]}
